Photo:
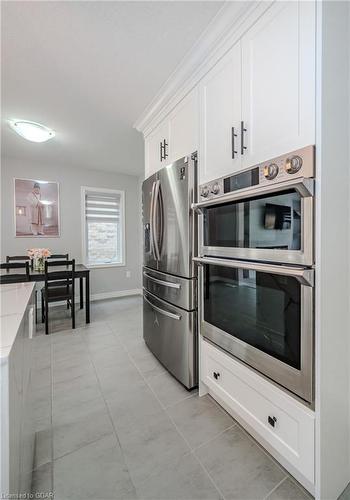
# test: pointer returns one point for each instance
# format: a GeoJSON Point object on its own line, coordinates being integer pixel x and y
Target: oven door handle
{"type": "Point", "coordinates": [303, 275]}
{"type": "Point", "coordinates": [304, 186]}
{"type": "Point", "coordinates": [162, 311]}
{"type": "Point", "coordinates": [162, 282]}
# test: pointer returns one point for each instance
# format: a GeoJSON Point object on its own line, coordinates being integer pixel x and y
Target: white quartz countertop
{"type": "Point", "coordinates": [14, 299]}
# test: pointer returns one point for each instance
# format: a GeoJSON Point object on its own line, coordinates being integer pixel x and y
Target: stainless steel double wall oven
{"type": "Point", "coordinates": [169, 275]}
{"type": "Point", "coordinates": [256, 258]}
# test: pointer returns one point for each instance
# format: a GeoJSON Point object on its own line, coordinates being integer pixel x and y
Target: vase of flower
{"type": "Point", "coordinates": [38, 256]}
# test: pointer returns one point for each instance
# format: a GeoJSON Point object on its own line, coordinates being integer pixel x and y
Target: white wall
{"type": "Point", "coordinates": [71, 179]}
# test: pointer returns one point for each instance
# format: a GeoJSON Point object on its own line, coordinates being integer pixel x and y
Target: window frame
{"type": "Point", "coordinates": [121, 193]}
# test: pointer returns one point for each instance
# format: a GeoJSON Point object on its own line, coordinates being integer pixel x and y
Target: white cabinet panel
{"type": "Point", "coordinates": [282, 422]}
{"type": "Point", "coordinates": [154, 157]}
{"type": "Point", "coordinates": [220, 106]}
{"type": "Point", "coordinates": [278, 82]}
{"type": "Point", "coordinates": [184, 124]}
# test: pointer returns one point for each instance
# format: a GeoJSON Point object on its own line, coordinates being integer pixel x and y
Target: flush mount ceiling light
{"type": "Point", "coordinates": [32, 131]}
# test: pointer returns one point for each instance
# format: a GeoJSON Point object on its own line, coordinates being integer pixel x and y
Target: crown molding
{"type": "Point", "coordinates": [229, 24]}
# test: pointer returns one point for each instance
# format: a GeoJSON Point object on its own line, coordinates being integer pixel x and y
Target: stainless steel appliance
{"type": "Point", "coordinates": [256, 278]}
{"type": "Point", "coordinates": [169, 275]}
{"type": "Point", "coordinates": [263, 213]}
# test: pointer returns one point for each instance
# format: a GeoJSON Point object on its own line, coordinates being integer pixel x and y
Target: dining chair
{"type": "Point", "coordinates": [15, 265]}
{"type": "Point", "coordinates": [58, 256]}
{"type": "Point", "coordinates": [17, 258]}
{"type": "Point", "coordinates": [59, 285]}
{"type": "Point", "coordinates": [25, 258]}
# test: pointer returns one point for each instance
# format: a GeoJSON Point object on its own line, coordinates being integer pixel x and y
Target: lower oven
{"type": "Point", "coordinates": [263, 315]}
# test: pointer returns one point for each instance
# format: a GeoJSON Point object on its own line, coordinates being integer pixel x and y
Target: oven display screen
{"type": "Point", "coordinates": [241, 181]}
{"type": "Point", "coordinates": [261, 309]}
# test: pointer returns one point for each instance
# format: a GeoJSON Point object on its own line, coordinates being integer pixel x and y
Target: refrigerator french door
{"type": "Point", "coordinates": [169, 275]}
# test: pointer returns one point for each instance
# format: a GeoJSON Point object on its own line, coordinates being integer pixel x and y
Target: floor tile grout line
{"type": "Point", "coordinates": [260, 446]}
{"type": "Point", "coordinates": [178, 430]}
{"type": "Point", "coordinates": [111, 420]}
{"type": "Point", "coordinates": [171, 406]}
{"type": "Point", "coordinates": [215, 437]}
{"type": "Point", "coordinates": [209, 475]}
{"type": "Point", "coordinates": [83, 446]}
{"type": "Point", "coordinates": [275, 488]}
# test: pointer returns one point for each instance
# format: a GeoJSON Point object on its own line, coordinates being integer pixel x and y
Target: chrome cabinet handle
{"type": "Point", "coordinates": [161, 151]}
{"type": "Point", "coordinates": [161, 282]}
{"type": "Point", "coordinates": [155, 213]}
{"type": "Point", "coordinates": [243, 130]}
{"type": "Point", "coordinates": [162, 311]}
{"type": "Point", "coordinates": [165, 145]}
{"type": "Point", "coordinates": [233, 136]}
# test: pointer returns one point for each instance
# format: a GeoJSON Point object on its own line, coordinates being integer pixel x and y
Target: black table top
{"type": "Point", "coordinates": [15, 276]}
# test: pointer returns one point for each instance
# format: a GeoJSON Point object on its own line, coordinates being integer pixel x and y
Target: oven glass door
{"type": "Point", "coordinates": [263, 318]}
{"type": "Point", "coordinates": [275, 227]}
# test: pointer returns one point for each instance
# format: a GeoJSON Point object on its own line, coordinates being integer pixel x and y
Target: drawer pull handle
{"type": "Point", "coordinates": [272, 421]}
{"type": "Point", "coordinates": [216, 375]}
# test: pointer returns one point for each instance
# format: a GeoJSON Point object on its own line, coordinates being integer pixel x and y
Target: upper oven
{"type": "Point", "coordinates": [264, 213]}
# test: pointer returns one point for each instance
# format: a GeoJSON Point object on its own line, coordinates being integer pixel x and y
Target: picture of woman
{"type": "Point", "coordinates": [36, 208]}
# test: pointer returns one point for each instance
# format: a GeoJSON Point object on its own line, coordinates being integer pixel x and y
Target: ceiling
{"type": "Point", "coordinates": [88, 69]}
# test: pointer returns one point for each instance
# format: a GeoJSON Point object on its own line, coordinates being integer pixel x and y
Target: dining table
{"type": "Point", "coordinates": [81, 272]}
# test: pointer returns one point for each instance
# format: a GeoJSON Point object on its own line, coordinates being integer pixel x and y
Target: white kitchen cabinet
{"type": "Point", "coordinates": [184, 127]}
{"type": "Point", "coordinates": [282, 424]}
{"type": "Point", "coordinates": [179, 130]}
{"type": "Point", "coordinates": [155, 158]}
{"type": "Point", "coordinates": [278, 82]}
{"type": "Point", "coordinates": [220, 117]}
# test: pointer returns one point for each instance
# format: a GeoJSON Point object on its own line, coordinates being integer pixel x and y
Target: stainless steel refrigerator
{"type": "Point", "coordinates": [169, 276]}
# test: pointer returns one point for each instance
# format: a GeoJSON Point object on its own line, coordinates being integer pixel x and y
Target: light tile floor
{"type": "Point", "coordinates": [111, 423]}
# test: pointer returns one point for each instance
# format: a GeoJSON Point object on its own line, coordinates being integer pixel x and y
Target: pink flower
{"type": "Point", "coordinates": [39, 253]}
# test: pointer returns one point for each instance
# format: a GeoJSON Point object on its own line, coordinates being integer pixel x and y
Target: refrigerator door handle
{"type": "Point", "coordinates": [151, 220]}
{"type": "Point", "coordinates": [162, 282]}
{"type": "Point", "coordinates": [162, 311]}
{"type": "Point", "coordinates": [154, 221]}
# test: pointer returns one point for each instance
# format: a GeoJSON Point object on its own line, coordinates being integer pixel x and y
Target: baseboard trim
{"type": "Point", "coordinates": [116, 294]}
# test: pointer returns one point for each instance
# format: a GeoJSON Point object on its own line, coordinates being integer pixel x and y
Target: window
{"type": "Point", "coordinates": [103, 227]}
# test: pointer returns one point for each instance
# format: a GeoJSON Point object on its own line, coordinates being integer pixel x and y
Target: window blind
{"type": "Point", "coordinates": [102, 207]}
{"type": "Point", "coordinates": [104, 234]}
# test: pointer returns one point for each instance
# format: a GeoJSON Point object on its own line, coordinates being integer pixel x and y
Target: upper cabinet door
{"type": "Point", "coordinates": [156, 156]}
{"type": "Point", "coordinates": [183, 126]}
{"type": "Point", "coordinates": [220, 110]}
{"type": "Point", "coordinates": [278, 82]}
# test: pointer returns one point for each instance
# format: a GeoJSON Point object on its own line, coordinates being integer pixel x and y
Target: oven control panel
{"type": "Point", "coordinates": [298, 163]}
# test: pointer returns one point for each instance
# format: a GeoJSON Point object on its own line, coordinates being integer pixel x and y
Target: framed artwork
{"type": "Point", "coordinates": [36, 208]}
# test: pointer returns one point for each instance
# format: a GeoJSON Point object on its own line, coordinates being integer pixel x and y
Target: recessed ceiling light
{"type": "Point", "coordinates": [32, 131]}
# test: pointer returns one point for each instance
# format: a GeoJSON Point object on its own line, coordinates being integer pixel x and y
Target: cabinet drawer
{"type": "Point", "coordinates": [280, 420]}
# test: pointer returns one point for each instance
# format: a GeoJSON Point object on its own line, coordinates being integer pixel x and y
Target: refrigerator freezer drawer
{"type": "Point", "coordinates": [181, 292]}
{"type": "Point", "coordinates": [171, 335]}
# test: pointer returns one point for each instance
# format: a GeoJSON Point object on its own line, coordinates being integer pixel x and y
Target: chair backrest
{"type": "Point", "coordinates": [65, 274]}
{"type": "Point", "coordinates": [16, 265]}
{"type": "Point", "coordinates": [17, 258]}
{"type": "Point", "coordinates": [59, 256]}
